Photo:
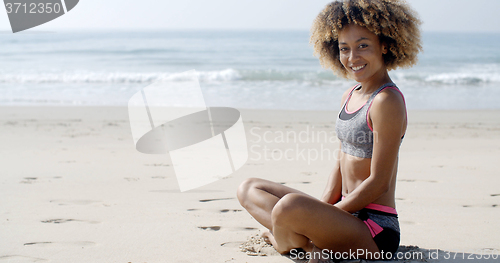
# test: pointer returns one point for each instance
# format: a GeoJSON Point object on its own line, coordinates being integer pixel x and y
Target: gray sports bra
{"type": "Point", "coordinates": [352, 128]}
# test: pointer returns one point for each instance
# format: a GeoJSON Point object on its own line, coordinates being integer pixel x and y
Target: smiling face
{"type": "Point", "coordinates": [361, 54]}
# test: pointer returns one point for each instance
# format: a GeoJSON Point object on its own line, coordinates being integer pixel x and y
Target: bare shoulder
{"type": "Point", "coordinates": [389, 102]}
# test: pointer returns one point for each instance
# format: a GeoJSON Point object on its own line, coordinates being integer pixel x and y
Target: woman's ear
{"type": "Point", "coordinates": [384, 48]}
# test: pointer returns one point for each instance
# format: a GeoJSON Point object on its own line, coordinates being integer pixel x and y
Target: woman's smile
{"type": "Point", "coordinates": [358, 68]}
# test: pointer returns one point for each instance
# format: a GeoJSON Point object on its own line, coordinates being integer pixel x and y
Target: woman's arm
{"type": "Point", "coordinates": [333, 189]}
{"type": "Point", "coordinates": [388, 115]}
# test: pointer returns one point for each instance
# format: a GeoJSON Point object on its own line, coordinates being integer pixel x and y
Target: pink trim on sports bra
{"type": "Point", "coordinates": [348, 99]}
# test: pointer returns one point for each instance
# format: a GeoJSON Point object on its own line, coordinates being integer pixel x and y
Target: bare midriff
{"type": "Point", "coordinates": [355, 170]}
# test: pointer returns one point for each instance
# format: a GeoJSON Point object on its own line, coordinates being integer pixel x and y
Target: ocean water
{"type": "Point", "coordinates": [242, 69]}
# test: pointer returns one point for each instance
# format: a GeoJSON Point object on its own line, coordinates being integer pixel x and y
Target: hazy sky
{"type": "Point", "coordinates": [438, 15]}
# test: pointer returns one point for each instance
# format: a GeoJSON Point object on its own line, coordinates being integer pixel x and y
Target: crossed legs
{"type": "Point", "coordinates": [297, 220]}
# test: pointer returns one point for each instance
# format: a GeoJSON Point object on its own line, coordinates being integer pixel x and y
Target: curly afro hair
{"type": "Point", "coordinates": [393, 21]}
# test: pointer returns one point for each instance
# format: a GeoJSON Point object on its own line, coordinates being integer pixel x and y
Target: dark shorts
{"type": "Point", "coordinates": [383, 226]}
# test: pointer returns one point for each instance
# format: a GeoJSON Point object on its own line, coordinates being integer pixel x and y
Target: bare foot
{"type": "Point", "coordinates": [269, 238]}
{"type": "Point", "coordinates": [318, 257]}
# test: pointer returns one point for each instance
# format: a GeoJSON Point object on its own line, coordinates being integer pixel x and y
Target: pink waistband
{"type": "Point", "coordinates": [381, 208]}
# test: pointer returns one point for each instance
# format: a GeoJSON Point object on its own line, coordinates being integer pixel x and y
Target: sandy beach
{"type": "Point", "coordinates": [74, 189]}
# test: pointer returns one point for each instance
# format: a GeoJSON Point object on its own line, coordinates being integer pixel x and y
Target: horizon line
{"type": "Point", "coordinates": [55, 30]}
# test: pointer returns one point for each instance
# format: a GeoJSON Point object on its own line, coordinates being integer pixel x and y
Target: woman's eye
{"type": "Point", "coordinates": [342, 49]}
{"type": "Point", "coordinates": [363, 46]}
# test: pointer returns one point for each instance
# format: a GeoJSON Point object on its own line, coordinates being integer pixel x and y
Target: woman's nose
{"type": "Point", "coordinates": [353, 56]}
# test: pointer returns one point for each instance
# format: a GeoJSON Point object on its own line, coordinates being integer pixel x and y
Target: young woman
{"type": "Point", "coordinates": [361, 40]}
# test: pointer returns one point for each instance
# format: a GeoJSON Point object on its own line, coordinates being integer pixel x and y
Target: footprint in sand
{"type": "Point", "coordinates": [29, 180]}
{"type": "Point", "coordinates": [283, 183]}
{"type": "Point", "coordinates": [216, 211]}
{"type": "Point", "coordinates": [176, 191]}
{"type": "Point", "coordinates": [298, 182]}
{"type": "Point", "coordinates": [19, 258]}
{"type": "Point", "coordinates": [414, 180]}
{"type": "Point", "coordinates": [74, 202]}
{"type": "Point", "coordinates": [229, 210]}
{"type": "Point", "coordinates": [32, 180]}
{"type": "Point", "coordinates": [217, 199]}
{"type": "Point", "coordinates": [60, 221]}
{"type": "Point", "coordinates": [232, 244]}
{"type": "Point", "coordinates": [211, 228]}
{"type": "Point", "coordinates": [245, 228]}
{"type": "Point", "coordinates": [217, 228]}
{"type": "Point", "coordinates": [75, 244]}
{"type": "Point", "coordinates": [493, 206]}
